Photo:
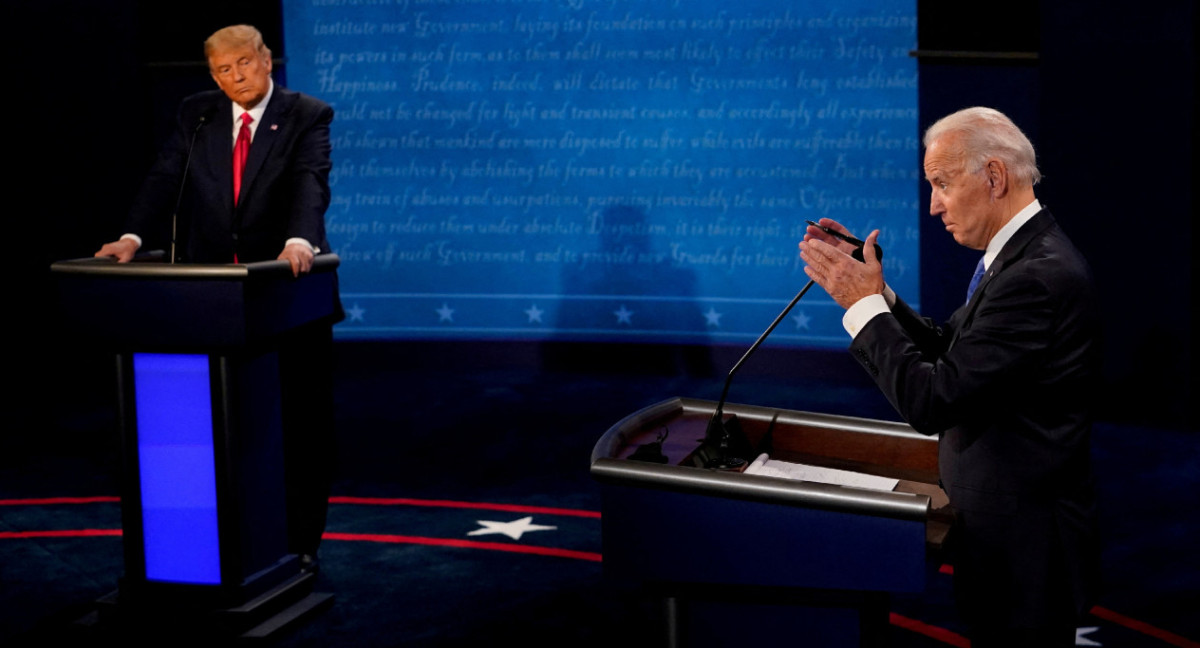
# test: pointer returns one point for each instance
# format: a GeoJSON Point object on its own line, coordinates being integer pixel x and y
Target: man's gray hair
{"type": "Point", "coordinates": [988, 133]}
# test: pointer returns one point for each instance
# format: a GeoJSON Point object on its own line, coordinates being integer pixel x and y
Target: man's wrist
{"type": "Point", "coordinates": [302, 241]}
{"type": "Point", "coordinates": [863, 311]}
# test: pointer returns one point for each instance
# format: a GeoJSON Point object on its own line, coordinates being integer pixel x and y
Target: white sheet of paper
{"type": "Point", "coordinates": [764, 465]}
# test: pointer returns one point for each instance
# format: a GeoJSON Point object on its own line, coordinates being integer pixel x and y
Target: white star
{"type": "Point", "coordinates": [356, 313]}
{"type": "Point", "coordinates": [713, 317]}
{"type": "Point", "coordinates": [624, 315]}
{"type": "Point", "coordinates": [512, 529]}
{"type": "Point", "coordinates": [1081, 640]}
{"type": "Point", "coordinates": [535, 314]}
{"type": "Point", "coordinates": [445, 313]}
{"type": "Point", "coordinates": [801, 320]}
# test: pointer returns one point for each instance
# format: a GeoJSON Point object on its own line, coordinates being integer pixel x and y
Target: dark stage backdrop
{"type": "Point", "coordinates": [607, 170]}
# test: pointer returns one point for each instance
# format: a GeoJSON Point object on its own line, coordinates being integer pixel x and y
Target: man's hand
{"type": "Point", "coordinates": [845, 279]}
{"type": "Point", "coordinates": [818, 234]}
{"type": "Point", "coordinates": [123, 250]}
{"type": "Point", "coordinates": [299, 256]}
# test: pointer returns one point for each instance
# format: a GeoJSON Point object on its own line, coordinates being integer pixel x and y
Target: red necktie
{"type": "Point", "coordinates": [241, 149]}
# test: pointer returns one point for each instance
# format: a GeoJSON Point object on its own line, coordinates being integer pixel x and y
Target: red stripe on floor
{"type": "Point", "coordinates": [63, 533]}
{"type": "Point", "coordinates": [47, 501]}
{"type": "Point", "coordinates": [511, 508]}
{"type": "Point", "coordinates": [941, 634]}
{"type": "Point", "coordinates": [1143, 627]}
{"type": "Point", "coordinates": [371, 501]}
{"type": "Point", "coordinates": [935, 632]}
{"type": "Point", "coordinates": [464, 544]}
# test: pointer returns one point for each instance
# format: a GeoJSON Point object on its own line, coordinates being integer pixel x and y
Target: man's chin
{"type": "Point", "coordinates": [968, 243]}
{"type": "Point", "coordinates": [247, 101]}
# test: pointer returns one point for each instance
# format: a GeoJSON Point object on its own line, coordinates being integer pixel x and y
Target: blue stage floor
{"type": "Point", "coordinates": [431, 457]}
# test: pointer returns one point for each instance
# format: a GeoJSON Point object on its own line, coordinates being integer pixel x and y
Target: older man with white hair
{"type": "Point", "coordinates": [1007, 382]}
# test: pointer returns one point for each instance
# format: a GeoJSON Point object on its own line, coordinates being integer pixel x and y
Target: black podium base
{"type": "Point", "coordinates": [276, 611]}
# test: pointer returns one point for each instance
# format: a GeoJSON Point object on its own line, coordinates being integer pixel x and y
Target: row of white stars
{"type": "Point", "coordinates": [624, 316]}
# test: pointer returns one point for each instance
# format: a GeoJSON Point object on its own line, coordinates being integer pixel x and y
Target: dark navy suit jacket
{"type": "Point", "coordinates": [284, 194]}
{"type": "Point", "coordinates": [1009, 383]}
{"type": "Point", "coordinates": [285, 185]}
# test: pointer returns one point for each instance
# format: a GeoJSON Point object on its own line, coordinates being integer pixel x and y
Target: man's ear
{"type": "Point", "coordinates": [997, 175]}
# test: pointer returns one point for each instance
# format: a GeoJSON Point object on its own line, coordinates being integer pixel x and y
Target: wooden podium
{"type": "Point", "coordinates": [748, 558]}
{"type": "Point", "coordinates": [202, 490]}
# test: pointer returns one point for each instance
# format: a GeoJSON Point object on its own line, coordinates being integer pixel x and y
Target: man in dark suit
{"type": "Point", "coordinates": [255, 188]}
{"type": "Point", "coordinates": [283, 191]}
{"type": "Point", "coordinates": [1007, 382]}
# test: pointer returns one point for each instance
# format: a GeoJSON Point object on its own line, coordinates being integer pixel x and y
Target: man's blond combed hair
{"type": "Point", "coordinates": [235, 36]}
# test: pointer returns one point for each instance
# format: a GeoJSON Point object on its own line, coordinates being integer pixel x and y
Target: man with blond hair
{"type": "Point", "coordinates": [1007, 382]}
{"type": "Point", "coordinates": [244, 178]}
{"type": "Point", "coordinates": [273, 206]}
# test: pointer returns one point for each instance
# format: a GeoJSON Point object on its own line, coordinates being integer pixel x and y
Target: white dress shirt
{"type": "Point", "coordinates": [863, 310]}
{"type": "Point", "coordinates": [256, 113]}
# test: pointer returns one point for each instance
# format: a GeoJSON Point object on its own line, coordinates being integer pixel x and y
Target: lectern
{"type": "Point", "coordinates": [202, 490]}
{"type": "Point", "coordinates": [742, 558]}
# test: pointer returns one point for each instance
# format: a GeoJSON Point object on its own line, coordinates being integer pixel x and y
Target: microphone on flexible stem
{"type": "Point", "coordinates": [187, 164]}
{"type": "Point", "coordinates": [725, 446]}
{"type": "Point", "coordinates": [724, 440]}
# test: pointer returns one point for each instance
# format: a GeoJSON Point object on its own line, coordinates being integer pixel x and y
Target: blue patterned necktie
{"type": "Point", "coordinates": [975, 278]}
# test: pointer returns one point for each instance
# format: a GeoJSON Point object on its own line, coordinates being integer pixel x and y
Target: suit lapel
{"type": "Point", "coordinates": [266, 135]}
{"type": "Point", "coordinates": [1012, 250]}
{"type": "Point", "coordinates": [219, 153]}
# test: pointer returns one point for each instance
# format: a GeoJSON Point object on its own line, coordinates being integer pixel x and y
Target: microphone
{"type": "Point", "coordinates": [857, 243]}
{"type": "Point", "coordinates": [204, 120]}
{"type": "Point", "coordinates": [724, 440]}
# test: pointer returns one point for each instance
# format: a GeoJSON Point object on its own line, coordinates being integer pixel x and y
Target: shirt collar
{"type": "Point", "coordinates": [256, 112]}
{"type": "Point", "coordinates": [997, 243]}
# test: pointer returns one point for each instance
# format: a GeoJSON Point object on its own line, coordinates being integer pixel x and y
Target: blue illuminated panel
{"type": "Point", "coordinates": [175, 460]}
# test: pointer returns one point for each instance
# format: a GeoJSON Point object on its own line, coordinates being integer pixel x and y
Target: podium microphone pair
{"type": "Point", "coordinates": [725, 446]}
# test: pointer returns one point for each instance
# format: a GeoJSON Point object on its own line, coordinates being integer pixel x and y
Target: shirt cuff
{"type": "Point", "coordinates": [863, 311]}
{"type": "Point", "coordinates": [302, 241]}
{"type": "Point", "coordinates": [132, 237]}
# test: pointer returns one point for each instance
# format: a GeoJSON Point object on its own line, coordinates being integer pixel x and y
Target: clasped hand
{"type": "Point", "coordinates": [830, 264]}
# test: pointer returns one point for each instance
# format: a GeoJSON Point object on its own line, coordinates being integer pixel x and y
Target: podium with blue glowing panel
{"type": "Point", "coordinates": [200, 412]}
{"type": "Point", "coordinates": [740, 558]}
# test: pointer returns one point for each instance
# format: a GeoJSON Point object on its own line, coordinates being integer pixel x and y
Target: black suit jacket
{"type": "Point", "coordinates": [284, 194]}
{"type": "Point", "coordinates": [1008, 383]}
{"type": "Point", "coordinates": [285, 185]}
